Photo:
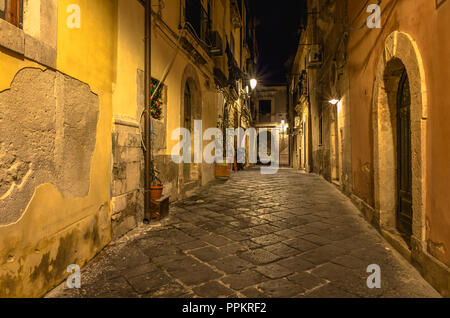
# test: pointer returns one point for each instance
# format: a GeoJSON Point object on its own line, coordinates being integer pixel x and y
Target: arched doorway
{"type": "Point", "coordinates": [187, 107]}
{"type": "Point", "coordinates": [190, 111]}
{"type": "Point", "coordinates": [188, 125]}
{"type": "Point", "coordinates": [404, 162]}
{"type": "Point", "coordinates": [399, 131]}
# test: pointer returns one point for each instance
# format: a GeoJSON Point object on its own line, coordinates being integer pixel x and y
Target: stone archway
{"type": "Point", "coordinates": [190, 91]}
{"type": "Point", "coordinates": [401, 52]}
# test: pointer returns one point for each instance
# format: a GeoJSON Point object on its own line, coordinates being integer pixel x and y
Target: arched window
{"type": "Point", "coordinates": [187, 107]}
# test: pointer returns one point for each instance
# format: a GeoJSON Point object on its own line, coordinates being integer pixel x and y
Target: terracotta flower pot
{"type": "Point", "coordinates": [156, 192]}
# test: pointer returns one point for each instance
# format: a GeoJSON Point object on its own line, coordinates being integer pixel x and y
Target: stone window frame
{"type": "Point", "coordinates": [272, 104]}
{"type": "Point", "coordinates": [266, 100]}
{"type": "Point", "coordinates": [400, 46]}
{"type": "Point", "coordinates": [37, 39]}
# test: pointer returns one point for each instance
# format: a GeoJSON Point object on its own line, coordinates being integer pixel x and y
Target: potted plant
{"type": "Point", "coordinates": [157, 187]}
{"type": "Point", "coordinates": [223, 169]}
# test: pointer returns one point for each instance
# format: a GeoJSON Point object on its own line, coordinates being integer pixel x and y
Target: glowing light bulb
{"type": "Point", "coordinates": [334, 101]}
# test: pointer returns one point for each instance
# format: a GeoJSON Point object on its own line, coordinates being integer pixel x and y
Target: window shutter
{"type": "Point", "coordinates": [13, 12]}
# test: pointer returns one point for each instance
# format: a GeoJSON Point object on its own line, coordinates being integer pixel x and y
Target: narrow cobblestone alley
{"type": "Point", "coordinates": [283, 235]}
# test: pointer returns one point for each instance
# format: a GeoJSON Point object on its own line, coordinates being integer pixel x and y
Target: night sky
{"type": "Point", "coordinates": [277, 36]}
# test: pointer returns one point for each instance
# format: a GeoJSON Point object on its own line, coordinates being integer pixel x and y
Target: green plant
{"type": "Point", "coordinates": [154, 174]}
{"type": "Point", "coordinates": [223, 123]}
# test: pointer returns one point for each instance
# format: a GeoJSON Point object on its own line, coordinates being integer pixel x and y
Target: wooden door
{"type": "Point", "coordinates": [404, 166]}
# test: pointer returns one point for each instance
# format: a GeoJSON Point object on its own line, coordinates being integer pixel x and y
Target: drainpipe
{"type": "Point", "coordinates": [147, 133]}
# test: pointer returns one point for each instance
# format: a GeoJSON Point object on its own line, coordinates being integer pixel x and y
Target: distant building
{"type": "Point", "coordinates": [270, 111]}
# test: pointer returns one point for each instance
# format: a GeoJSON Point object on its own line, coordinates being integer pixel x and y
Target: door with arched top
{"type": "Point", "coordinates": [188, 126]}
{"type": "Point", "coordinates": [404, 160]}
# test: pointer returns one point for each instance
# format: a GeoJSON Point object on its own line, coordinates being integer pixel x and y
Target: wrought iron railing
{"type": "Point", "coordinates": [198, 22]}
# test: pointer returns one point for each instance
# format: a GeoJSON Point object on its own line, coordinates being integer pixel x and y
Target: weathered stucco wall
{"type": "Point", "coordinates": [428, 31]}
{"type": "Point", "coordinates": [130, 57]}
{"type": "Point", "coordinates": [52, 142]}
{"type": "Point", "coordinates": [57, 124]}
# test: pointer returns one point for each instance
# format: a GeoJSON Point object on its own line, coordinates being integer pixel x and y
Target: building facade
{"type": "Point", "coordinates": [205, 52]}
{"type": "Point", "coordinates": [270, 112]}
{"type": "Point", "coordinates": [368, 106]}
{"type": "Point", "coordinates": [72, 99]}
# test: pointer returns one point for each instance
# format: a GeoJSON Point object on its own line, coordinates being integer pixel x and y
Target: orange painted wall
{"type": "Point", "coordinates": [430, 28]}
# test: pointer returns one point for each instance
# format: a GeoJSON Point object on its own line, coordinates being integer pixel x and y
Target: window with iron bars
{"type": "Point", "coordinates": [12, 12]}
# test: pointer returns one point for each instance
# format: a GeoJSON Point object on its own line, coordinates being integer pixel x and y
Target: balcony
{"type": "Point", "coordinates": [236, 17]}
{"type": "Point", "coordinates": [198, 22]}
{"type": "Point", "coordinates": [264, 118]}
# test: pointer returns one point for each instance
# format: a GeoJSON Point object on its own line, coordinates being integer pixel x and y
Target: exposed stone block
{"type": "Point", "coordinates": [133, 176]}
{"type": "Point", "coordinates": [119, 203]}
{"type": "Point", "coordinates": [128, 201]}
{"type": "Point", "coordinates": [121, 227]}
{"type": "Point", "coordinates": [128, 211]}
{"type": "Point", "coordinates": [131, 155]}
{"type": "Point", "coordinates": [48, 128]}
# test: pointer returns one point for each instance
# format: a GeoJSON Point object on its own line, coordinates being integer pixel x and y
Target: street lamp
{"type": "Point", "coordinates": [253, 83]}
{"type": "Point", "coordinates": [284, 126]}
{"type": "Point", "coordinates": [334, 101]}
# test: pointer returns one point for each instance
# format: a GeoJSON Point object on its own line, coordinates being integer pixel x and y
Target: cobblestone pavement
{"type": "Point", "coordinates": [283, 235]}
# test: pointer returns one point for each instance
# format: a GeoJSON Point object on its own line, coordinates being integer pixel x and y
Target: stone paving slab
{"type": "Point", "coordinates": [258, 236]}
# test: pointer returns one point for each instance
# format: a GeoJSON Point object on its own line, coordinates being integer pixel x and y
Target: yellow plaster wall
{"type": "Point", "coordinates": [55, 232]}
{"type": "Point", "coordinates": [88, 53]}
{"type": "Point", "coordinates": [9, 66]}
{"type": "Point", "coordinates": [130, 56]}
{"type": "Point", "coordinates": [162, 53]}
{"type": "Point", "coordinates": [163, 50]}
